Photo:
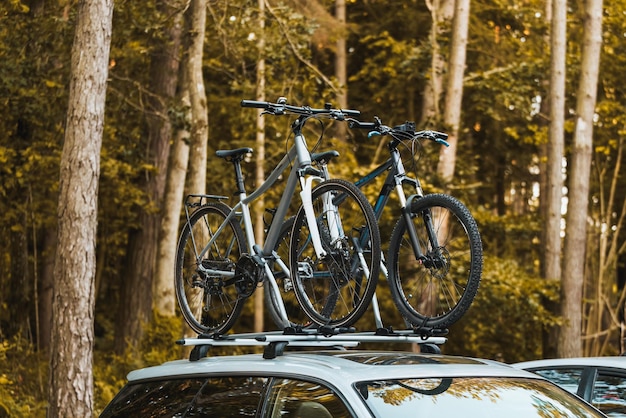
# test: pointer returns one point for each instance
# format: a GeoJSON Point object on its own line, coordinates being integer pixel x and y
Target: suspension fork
{"type": "Point", "coordinates": [307, 205]}
{"type": "Point", "coordinates": [330, 205]}
{"type": "Point", "coordinates": [428, 223]}
{"type": "Point", "coordinates": [306, 184]}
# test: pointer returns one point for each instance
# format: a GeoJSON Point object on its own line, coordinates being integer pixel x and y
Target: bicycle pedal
{"type": "Point", "coordinates": [305, 269]}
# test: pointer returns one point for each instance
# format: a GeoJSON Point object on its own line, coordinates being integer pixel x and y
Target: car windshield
{"type": "Point", "coordinates": [475, 397]}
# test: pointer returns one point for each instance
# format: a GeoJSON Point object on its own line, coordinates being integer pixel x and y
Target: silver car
{"type": "Point", "coordinates": [599, 380]}
{"type": "Point", "coordinates": [338, 382]}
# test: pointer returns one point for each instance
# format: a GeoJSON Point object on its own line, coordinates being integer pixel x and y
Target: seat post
{"type": "Point", "coordinates": [235, 156]}
{"type": "Point", "coordinates": [241, 187]}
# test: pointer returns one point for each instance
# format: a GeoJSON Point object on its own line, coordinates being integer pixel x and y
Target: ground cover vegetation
{"type": "Point", "coordinates": [499, 170]}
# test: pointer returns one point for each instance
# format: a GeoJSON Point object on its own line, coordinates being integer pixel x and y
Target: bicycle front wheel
{"type": "Point", "coordinates": [436, 289]}
{"type": "Point", "coordinates": [205, 282]}
{"type": "Point", "coordinates": [336, 287]}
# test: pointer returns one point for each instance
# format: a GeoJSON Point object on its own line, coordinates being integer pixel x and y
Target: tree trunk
{"type": "Point", "coordinates": [46, 286]}
{"type": "Point", "coordinates": [20, 281]}
{"type": "Point", "coordinates": [172, 205]}
{"type": "Point", "coordinates": [552, 258]}
{"type": "Point", "coordinates": [259, 204]}
{"type": "Point", "coordinates": [71, 378]}
{"type": "Point", "coordinates": [341, 65]}
{"type": "Point", "coordinates": [175, 185]}
{"type": "Point", "coordinates": [441, 12]}
{"type": "Point", "coordinates": [551, 263]}
{"type": "Point", "coordinates": [454, 90]}
{"type": "Point", "coordinates": [570, 338]}
{"type": "Point", "coordinates": [196, 180]}
{"type": "Point", "coordinates": [165, 70]}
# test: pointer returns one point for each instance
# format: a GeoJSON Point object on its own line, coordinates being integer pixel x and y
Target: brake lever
{"type": "Point", "coordinates": [442, 142]}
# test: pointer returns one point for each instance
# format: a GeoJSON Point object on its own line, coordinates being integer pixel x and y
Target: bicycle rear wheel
{"type": "Point", "coordinates": [337, 288]}
{"type": "Point", "coordinates": [205, 284]}
{"type": "Point", "coordinates": [436, 290]}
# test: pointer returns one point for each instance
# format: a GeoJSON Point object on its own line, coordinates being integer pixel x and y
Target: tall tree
{"type": "Point", "coordinates": [570, 338]}
{"type": "Point", "coordinates": [441, 12]}
{"type": "Point", "coordinates": [195, 182]}
{"type": "Point", "coordinates": [71, 379]}
{"type": "Point", "coordinates": [172, 202]}
{"type": "Point", "coordinates": [454, 89]}
{"type": "Point", "coordinates": [341, 63]}
{"type": "Point", "coordinates": [196, 177]}
{"type": "Point", "coordinates": [551, 263]}
{"type": "Point", "coordinates": [174, 185]}
{"type": "Point", "coordinates": [164, 71]}
{"type": "Point", "coordinates": [259, 204]}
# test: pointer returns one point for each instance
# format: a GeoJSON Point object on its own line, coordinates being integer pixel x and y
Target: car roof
{"type": "Point", "coordinates": [608, 361]}
{"type": "Point", "coordinates": [346, 366]}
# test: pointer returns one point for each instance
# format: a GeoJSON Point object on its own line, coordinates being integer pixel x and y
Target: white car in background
{"type": "Point", "coordinates": [598, 380]}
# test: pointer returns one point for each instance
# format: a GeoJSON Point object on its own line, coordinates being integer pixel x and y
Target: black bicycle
{"type": "Point", "coordinates": [435, 257]}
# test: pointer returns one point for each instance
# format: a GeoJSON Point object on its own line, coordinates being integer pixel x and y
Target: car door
{"type": "Point", "coordinates": [607, 390]}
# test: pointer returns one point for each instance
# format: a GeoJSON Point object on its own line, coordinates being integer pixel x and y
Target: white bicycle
{"type": "Point", "coordinates": [335, 267]}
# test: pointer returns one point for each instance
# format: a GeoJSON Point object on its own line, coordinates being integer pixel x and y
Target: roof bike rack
{"type": "Point", "coordinates": [275, 342]}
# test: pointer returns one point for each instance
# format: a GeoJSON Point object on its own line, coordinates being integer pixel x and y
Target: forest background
{"type": "Point", "coordinates": [387, 58]}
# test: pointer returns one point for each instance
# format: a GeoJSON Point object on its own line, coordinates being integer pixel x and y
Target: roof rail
{"type": "Point", "coordinates": [275, 342]}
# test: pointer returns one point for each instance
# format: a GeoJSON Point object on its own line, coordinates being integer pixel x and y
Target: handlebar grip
{"type": "Point", "coordinates": [254, 103]}
{"type": "Point", "coordinates": [355, 124]}
{"type": "Point", "coordinates": [351, 112]}
{"type": "Point", "coordinates": [440, 135]}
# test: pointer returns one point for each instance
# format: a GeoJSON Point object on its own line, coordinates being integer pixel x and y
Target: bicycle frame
{"type": "Point", "coordinates": [396, 177]}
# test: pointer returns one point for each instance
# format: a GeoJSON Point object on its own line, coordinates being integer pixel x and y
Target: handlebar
{"type": "Point", "coordinates": [377, 128]}
{"type": "Point", "coordinates": [281, 107]}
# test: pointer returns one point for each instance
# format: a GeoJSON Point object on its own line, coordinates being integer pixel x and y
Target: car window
{"type": "Point", "coordinates": [154, 398]}
{"type": "Point", "coordinates": [228, 397]}
{"type": "Point", "coordinates": [609, 394]}
{"type": "Point", "coordinates": [193, 397]}
{"type": "Point", "coordinates": [299, 399]}
{"type": "Point", "coordinates": [567, 378]}
{"type": "Point", "coordinates": [475, 397]}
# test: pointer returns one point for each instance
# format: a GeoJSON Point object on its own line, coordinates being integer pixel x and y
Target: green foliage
{"type": "Point", "coordinates": [507, 318]}
{"type": "Point", "coordinates": [23, 379]}
{"type": "Point", "coordinates": [397, 64]}
{"type": "Point", "coordinates": [511, 237]}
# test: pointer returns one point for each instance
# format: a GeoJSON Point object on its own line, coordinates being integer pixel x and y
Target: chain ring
{"type": "Point", "coordinates": [247, 276]}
